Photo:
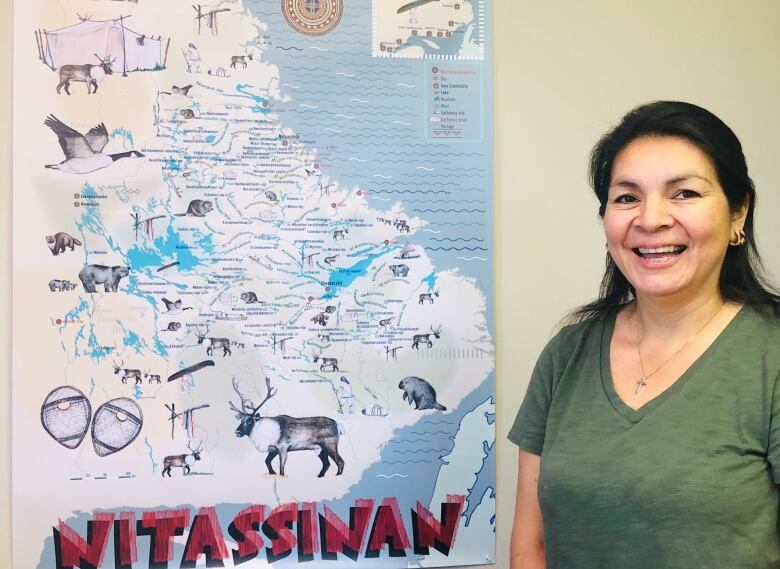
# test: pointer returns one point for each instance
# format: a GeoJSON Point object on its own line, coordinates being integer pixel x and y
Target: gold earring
{"type": "Point", "coordinates": [739, 238]}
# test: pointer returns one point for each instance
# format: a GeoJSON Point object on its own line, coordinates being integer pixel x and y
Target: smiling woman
{"type": "Point", "coordinates": [650, 432]}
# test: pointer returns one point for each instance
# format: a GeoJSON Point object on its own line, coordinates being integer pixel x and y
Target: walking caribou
{"type": "Point", "coordinates": [281, 434]}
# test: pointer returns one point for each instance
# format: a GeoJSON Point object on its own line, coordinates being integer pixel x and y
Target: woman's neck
{"type": "Point", "coordinates": [669, 317]}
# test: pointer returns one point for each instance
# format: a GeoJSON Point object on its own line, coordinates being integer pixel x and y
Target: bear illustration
{"type": "Point", "coordinates": [109, 277]}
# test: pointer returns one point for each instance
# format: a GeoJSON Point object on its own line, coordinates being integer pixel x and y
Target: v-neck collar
{"type": "Point", "coordinates": [636, 415]}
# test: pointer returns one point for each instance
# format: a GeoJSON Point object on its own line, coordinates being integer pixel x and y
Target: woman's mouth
{"type": "Point", "coordinates": [659, 253]}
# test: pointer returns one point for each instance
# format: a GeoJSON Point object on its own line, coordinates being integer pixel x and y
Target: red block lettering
{"type": "Point", "coordinates": [125, 547]}
{"type": "Point", "coordinates": [244, 530]}
{"type": "Point", "coordinates": [162, 526]}
{"type": "Point", "coordinates": [72, 550]}
{"type": "Point", "coordinates": [388, 528]}
{"type": "Point", "coordinates": [278, 528]}
{"type": "Point", "coordinates": [308, 544]}
{"type": "Point", "coordinates": [337, 537]}
{"type": "Point", "coordinates": [429, 532]}
{"type": "Point", "coordinates": [205, 538]}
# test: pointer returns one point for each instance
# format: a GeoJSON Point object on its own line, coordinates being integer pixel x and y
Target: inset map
{"type": "Point", "coordinates": [429, 29]}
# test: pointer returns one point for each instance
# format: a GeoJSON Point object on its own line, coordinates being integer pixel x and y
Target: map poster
{"type": "Point", "coordinates": [253, 293]}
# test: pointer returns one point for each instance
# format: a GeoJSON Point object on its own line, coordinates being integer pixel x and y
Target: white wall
{"type": "Point", "coordinates": [564, 72]}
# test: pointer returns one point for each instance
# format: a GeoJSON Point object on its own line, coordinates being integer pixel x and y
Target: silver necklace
{"type": "Point", "coordinates": [642, 381]}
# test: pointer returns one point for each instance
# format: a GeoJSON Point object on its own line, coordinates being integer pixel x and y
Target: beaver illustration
{"type": "Point", "coordinates": [197, 208]}
{"type": "Point", "coordinates": [420, 392]}
{"type": "Point", "coordinates": [250, 297]}
{"type": "Point", "coordinates": [60, 241]}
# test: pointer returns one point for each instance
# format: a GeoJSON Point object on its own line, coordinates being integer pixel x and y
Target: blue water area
{"type": "Point", "coordinates": [133, 340]}
{"type": "Point", "coordinates": [124, 134]}
{"type": "Point", "coordinates": [344, 277]}
{"type": "Point", "coordinates": [167, 248]}
{"type": "Point", "coordinates": [211, 138]}
{"type": "Point", "coordinates": [430, 280]}
{"type": "Point", "coordinates": [173, 164]}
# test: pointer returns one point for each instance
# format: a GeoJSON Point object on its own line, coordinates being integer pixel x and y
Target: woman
{"type": "Point", "coordinates": [650, 432]}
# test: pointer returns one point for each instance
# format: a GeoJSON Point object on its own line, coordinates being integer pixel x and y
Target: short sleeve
{"type": "Point", "coordinates": [773, 453]}
{"type": "Point", "coordinates": [528, 430]}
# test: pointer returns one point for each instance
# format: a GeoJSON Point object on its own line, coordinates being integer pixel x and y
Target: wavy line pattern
{"type": "Point", "coordinates": [456, 239]}
{"type": "Point", "coordinates": [456, 248]}
{"type": "Point", "coordinates": [440, 210]}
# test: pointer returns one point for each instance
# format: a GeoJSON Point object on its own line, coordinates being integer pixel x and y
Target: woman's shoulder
{"type": "Point", "coordinates": [572, 335]}
{"type": "Point", "coordinates": [763, 318]}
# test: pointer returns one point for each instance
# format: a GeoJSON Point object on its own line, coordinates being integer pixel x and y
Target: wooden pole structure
{"type": "Point", "coordinates": [165, 59]}
{"type": "Point", "coordinates": [48, 47]}
{"type": "Point", "coordinates": [124, 49]}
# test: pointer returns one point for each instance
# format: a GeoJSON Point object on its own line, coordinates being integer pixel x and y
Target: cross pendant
{"type": "Point", "coordinates": [640, 383]}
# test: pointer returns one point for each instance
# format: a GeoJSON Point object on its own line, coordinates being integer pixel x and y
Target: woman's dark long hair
{"type": "Point", "coordinates": [742, 277]}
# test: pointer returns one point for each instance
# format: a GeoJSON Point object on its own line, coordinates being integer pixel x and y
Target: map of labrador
{"type": "Point", "coordinates": [276, 259]}
{"type": "Point", "coordinates": [429, 29]}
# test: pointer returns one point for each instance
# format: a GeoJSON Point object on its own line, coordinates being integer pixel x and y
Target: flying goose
{"type": "Point", "coordinates": [83, 152]}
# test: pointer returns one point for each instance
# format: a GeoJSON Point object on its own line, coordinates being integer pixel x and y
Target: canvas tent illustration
{"type": "Point", "coordinates": [78, 44]}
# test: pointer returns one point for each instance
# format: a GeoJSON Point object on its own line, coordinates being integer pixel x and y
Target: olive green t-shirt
{"type": "Point", "coordinates": [688, 481]}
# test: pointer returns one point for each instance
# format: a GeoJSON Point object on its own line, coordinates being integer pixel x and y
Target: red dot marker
{"type": "Point", "coordinates": [59, 321]}
{"type": "Point", "coordinates": [333, 205]}
{"type": "Point", "coordinates": [311, 298]}
{"type": "Point", "coordinates": [327, 289]}
{"type": "Point", "coordinates": [360, 193]}
{"type": "Point", "coordinates": [387, 242]}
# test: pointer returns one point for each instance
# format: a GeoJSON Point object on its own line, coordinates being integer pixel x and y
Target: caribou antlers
{"type": "Point", "coordinates": [247, 407]}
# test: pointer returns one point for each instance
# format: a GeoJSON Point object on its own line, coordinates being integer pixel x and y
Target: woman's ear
{"type": "Point", "coordinates": [738, 215]}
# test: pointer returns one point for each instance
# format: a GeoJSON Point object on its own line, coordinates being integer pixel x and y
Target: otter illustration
{"type": "Point", "coordinates": [250, 297]}
{"type": "Point", "coordinates": [173, 327]}
{"type": "Point", "coordinates": [420, 392]}
{"type": "Point", "coordinates": [109, 277]}
{"type": "Point", "coordinates": [197, 208]}
{"type": "Point", "coordinates": [187, 113]}
{"type": "Point", "coordinates": [60, 241]}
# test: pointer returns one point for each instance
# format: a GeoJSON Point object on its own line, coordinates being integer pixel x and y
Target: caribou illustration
{"type": "Point", "coordinates": [183, 461]}
{"type": "Point", "coordinates": [87, 73]}
{"type": "Point", "coordinates": [281, 434]}
{"type": "Point", "coordinates": [212, 343]}
{"type": "Point", "coordinates": [236, 59]}
{"type": "Point", "coordinates": [428, 296]}
{"type": "Point", "coordinates": [125, 374]}
{"type": "Point", "coordinates": [331, 363]}
{"type": "Point", "coordinates": [426, 338]}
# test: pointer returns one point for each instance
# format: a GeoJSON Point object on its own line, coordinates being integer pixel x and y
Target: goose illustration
{"type": "Point", "coordinates": [83, 152]}
{"type": "Point", "coordinates": [174, 306]}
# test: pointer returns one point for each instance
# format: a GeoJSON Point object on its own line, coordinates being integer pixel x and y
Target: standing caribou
{"type": "Point", "coordinates": [212, 343]}
{"type": "Point", "coordinates": [281, 434]}
{"type": "Point", "coordinates": [87, 73]}
{"type": "Point", "coordinates": [332, 363]}
{"type": "Point", "coordinates": [428, 296]}
{"type": "Point", "coordinates": [125, 374]}
{"type": "Point", "coordinates": [426, 338]}
{"type": "Point", "coordinates": [183, 461]}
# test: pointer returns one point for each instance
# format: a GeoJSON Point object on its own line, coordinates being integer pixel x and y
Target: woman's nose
{"type": "Point", "coordinates": [655, 213]}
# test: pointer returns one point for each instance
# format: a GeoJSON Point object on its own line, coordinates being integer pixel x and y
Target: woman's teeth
{"type": "Point", "coordinates": [653, 252]}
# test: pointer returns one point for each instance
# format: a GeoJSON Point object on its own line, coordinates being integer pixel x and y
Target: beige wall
{"type": "Point", "coordinates": [564, 72]}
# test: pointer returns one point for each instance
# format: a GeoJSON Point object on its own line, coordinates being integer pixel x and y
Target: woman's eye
{"type": "Point", "coordinates": [687, 194]}
{"type": "Point", "coordinates": [625, 199]}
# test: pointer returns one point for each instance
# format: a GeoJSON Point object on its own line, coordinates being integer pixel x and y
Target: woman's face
{"type": "Point", "coordinates": [667, 220]}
